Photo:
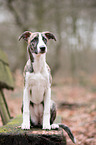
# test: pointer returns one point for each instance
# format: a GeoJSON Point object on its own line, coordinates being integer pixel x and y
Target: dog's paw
{"type": "Point", "coordinates": [47, 126]}
{"type": "Point", "coordinates": [25, 126]}
{"type": "Point", "coordinates": [54, 126]}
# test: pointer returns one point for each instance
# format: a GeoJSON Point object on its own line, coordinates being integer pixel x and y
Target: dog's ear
{"type": "Point", "coordinates": [49, 35]}
{"type": "Point", "coordinates": [25, 35]}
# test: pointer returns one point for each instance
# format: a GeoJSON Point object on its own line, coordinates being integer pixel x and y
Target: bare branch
{"type": "Point", "coordinates": [14, 12]}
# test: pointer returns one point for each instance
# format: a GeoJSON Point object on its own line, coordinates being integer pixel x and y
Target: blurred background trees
{"type": "Point", "coordinates": [73, 22]}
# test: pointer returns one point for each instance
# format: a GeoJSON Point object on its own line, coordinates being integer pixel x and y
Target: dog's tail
{"type": "Point", "coordinates": [67, 129]}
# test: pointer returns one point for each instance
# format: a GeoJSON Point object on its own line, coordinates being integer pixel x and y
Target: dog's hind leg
{"type": "Point", "coordinates": [56, 126]}
{"type": "Point", "coordinates": [53, 115]}
{"type": "Point", "coordinates": [52, 111]}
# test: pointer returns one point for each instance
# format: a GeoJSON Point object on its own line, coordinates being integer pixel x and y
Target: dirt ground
{"type": "Point", "coordinates": [76, 103]}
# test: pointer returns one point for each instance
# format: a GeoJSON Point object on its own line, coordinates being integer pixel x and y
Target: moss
{"type": "Point", "coordinates": [12, 126]}
{"type": "Point", "coordinates": [11, 134]}
{"type": "Point", "coordinates": [16, 121]}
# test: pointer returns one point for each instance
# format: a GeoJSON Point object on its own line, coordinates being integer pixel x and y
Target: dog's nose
{"type": "Point", "coordinates": [42, 48]}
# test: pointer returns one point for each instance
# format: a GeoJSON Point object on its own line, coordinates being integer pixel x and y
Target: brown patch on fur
{"type": "Point", "coordinates": [33, 35]}
{"type": "Point", "coordinates": [28, 67]}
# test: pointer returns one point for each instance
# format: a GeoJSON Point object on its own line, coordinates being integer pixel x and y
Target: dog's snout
{"type": "Point", "coordinates": [42, 48]}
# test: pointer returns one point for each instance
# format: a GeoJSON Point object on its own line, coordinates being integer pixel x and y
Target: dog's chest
{"type": "Point", "coordinates": [37, 84]}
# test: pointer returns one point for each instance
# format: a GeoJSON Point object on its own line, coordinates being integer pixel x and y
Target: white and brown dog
{"type": "Point", "coordinates": [38, 108]}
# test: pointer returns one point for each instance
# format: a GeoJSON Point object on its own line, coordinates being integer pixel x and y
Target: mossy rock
{"type": "Point", "coordinates": [12, 134]}
{"type": "Point", "coordinates": [6, 80]}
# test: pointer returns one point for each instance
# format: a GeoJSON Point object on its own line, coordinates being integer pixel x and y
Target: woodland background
{"type": "Point", "coordinates": [72, 57]}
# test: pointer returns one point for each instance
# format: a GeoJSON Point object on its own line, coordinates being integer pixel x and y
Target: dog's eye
{"type": "Point", "coordinates": [44, 39]}
{"type": "Point", "coordinates": [32, 43]}
{"type": "Point", "coordinates": [34, 40]}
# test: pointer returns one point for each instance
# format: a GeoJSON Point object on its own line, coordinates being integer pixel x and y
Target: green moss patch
{"type": "Point", "coordinates": [12, 126]}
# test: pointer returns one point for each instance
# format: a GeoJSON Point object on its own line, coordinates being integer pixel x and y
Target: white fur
{"type": "Point", "coordinates": [54, 126]}
{"type": "Point", "coordinates": [41, 44]}
{"type": "Point", "coordinates": [26, 112]}
{"type": "Point", "coordinates": [46, 116]}
{"type": "Point", "coordinates": [38, 82]}
{"type": "Point", "coordinates": [39, 62]}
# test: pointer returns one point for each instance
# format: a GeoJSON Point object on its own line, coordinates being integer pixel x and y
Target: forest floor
{"type": "Point", "coordinates": [76, 103]}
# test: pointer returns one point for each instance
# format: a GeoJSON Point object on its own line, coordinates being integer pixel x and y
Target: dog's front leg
{"type": "Point", "coordinates": [26, 112]}
{"type": "Point", "coordinates": [46, 114]}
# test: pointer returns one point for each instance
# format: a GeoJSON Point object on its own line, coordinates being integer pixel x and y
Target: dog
{"type": "Point", "coordinates": [38, 108]}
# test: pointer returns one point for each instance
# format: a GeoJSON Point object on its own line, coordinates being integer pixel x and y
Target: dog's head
{"type": "Point", "coordinates": [37, 41]}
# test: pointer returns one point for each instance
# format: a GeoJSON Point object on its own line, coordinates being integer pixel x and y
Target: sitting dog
{"type": "Point", "coordinates": [38, 108]}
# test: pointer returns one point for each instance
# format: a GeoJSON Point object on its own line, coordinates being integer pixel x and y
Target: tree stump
{"type": "Point", "coordinates": [12, 134]}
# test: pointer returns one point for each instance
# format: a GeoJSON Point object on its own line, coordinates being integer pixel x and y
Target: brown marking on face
{"type": "Point", "coordinates": [32, 36]}
{"type": "Point", "coordinates": [32, 40]}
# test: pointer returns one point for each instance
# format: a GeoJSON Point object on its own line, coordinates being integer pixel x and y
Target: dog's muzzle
{"type": "Point", "coordinates": [42, 49]}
